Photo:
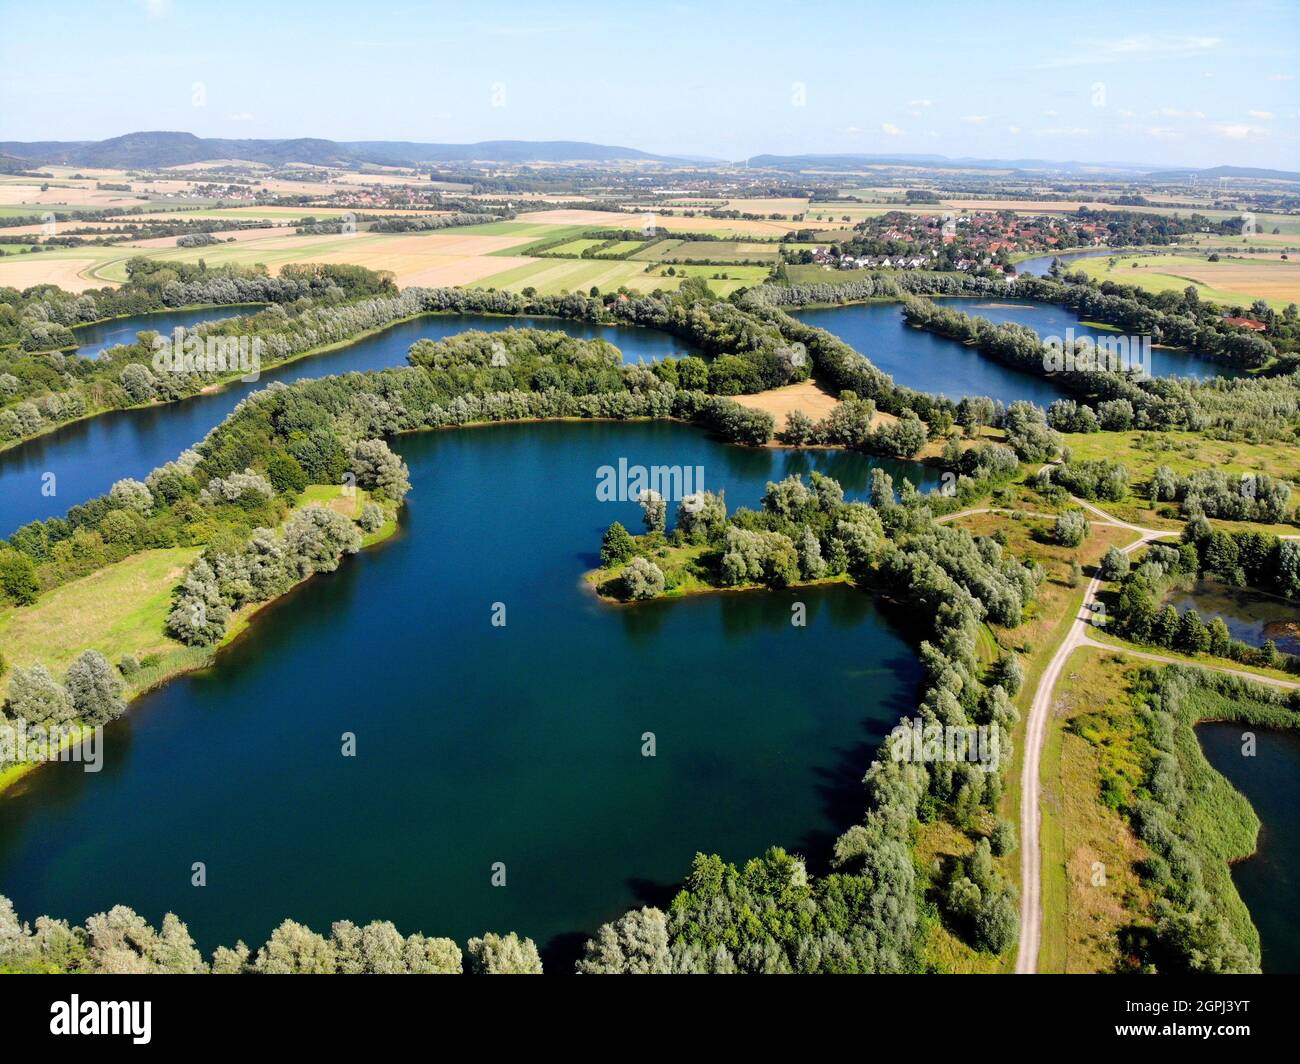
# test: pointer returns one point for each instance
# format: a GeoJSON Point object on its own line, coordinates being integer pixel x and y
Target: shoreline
{"type": "Point", "coordinates": [192, 659]}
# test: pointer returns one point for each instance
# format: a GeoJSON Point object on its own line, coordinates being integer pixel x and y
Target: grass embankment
{"type": "Point", "coordinates": [1091, 888]}
{"type": "Point", "coordinates": [121, 611]}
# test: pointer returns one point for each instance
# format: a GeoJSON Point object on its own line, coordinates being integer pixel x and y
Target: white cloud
{"type": "Point", "coordinates": [975, 120]}
{"type": "Point", "coordinates": [1064, 131]}
{"type": "Point", "coordinates": [1145, 47]}
{"type": "Point", "coordinates": [1174, 112]}
{"type": "Point", "coordinates": [1013, 129]}
{"type": "Point", "coordinates": [920, 103]}
{"type": "Point", "coordinates": [1281, 77]}
{"type": "Point", "coordinates": [1263, 115]}
{"type": "Point", "coordinates": [156, 8]}
{"type": "Point", "coordinates": [1239, 131]}
{"type": "Point", "coordinates": [1163, 133]}
{"type": "Point", "coordinates": [239, 116]}
{"type": "Point", "coordinates": [890, 129]}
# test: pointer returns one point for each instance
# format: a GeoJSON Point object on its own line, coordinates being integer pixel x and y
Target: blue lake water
{"type": "Point", "coordinates": [479, 744]}
{"type": "Point", "coordinates": [94, 340]}
{"type": "Point", "coordinates": [86, 457]}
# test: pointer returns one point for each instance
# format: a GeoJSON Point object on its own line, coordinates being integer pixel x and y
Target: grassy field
{"type": "Point", "coordinates": [656, 252]}
{"type": "Point", "coordinates": [575, 247]}
{"type": "Point", "coordinates": [1183, 452]}
{"type": "Point", "coordinates": [555, 276]}
{"type": "Point", "coordinates": [723, 251]}
{"type": "Point", "coordinates": [117, 610]}
{"type": "Point", "coordinates": [1091, 889]}
{"type": "Point", "coordinates": [1234, 281]}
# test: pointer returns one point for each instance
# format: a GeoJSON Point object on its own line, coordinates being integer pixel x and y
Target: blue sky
{"type": "Point", "coordinates": [1193, 83]}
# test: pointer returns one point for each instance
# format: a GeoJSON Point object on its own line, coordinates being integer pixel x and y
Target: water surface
{"type": "Point", "coordinates": [477, 744]}
{"type": "Point", "coordinates": [1268, 881]}
{"type": "Point", "coordinates": [94, 340]}
{"type": "Point", "coordinates": [86, 457]}
{"type": "Point", "coordinates": [1251, 616]}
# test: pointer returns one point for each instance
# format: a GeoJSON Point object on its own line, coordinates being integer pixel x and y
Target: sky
{"type": "Point", "coordinates": [1190, 83]}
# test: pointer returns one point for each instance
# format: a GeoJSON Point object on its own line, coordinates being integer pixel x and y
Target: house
{"type": "Point", "coordinates": [1247, 323]}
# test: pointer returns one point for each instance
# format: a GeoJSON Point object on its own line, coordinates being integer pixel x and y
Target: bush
{"type": "Point", "coordinates": [1071, 528]}
{"type": "Point", "coordinates": [95, 690]}
{"type": "Point", "coordinates": [642, 579]}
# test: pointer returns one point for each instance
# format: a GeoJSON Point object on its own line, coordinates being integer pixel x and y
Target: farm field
{"type": "Point", "coordinates": [1231, 281]}
{"type": "Point", "coordinates": [555, 276]}
{"type": "Point", "coordinates": [656, 252]}
{"type": "Point", "coordinates": [747, 274]}
{"type": "Point", "coordinates": [718, 251]}
{"type": "Point", "coordinates": [438, 258]}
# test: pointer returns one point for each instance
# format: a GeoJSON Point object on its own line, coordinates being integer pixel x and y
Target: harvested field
{"type": "Point", "coordinates": [781, 402]}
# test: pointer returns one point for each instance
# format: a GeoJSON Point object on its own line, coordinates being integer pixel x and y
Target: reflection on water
{"type": "Point", "coordinates": [1251, 616]}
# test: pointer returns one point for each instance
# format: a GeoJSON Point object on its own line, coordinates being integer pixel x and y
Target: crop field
{"type": "Point", "coordinates": [555, 276]}
{"type": "Point", "coordinates": [575, 247]}
{"type": "Point", "coordinates": [656, 252]}
{"type": "Point", "coordinates": [715, 275]}
{"type": "Point", "coordinates": [719, 251]}
{"type": "Point", "coordinates": [1230, 281]}
{"type": "Point", "coordinates": [623, 247]}
{"type": "Point", "coordinates": [438, 258]}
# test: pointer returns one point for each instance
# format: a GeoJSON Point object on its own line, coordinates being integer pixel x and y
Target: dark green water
{"type": "Point", "coordinates": [478, 744]}
{"type": "Point", "coordinates": [1268, 882]}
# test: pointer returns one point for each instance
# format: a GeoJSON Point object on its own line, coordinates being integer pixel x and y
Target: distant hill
{"type": "Point", "coordinates": [857, 162]}
{"type": "Point", "coordinates": [157, 149]}
{"type": "Point", "coordinates": [1216, 172]}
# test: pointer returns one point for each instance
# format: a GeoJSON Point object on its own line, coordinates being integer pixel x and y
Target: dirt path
{"type": "Point", "coordinates": [1031, 855]}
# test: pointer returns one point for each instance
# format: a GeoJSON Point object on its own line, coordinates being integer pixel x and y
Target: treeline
{"type": "Point", "coordinates": [1254, 409]}
{"type": "Point", "coordinates": [121, 942]}
{"type": "Point", "coordinates": [40, 318]}
{"type": "Point", "coordinates": [1214, 493]}
{"type": "Point", "coordinates": [1242, 559]}
{"type": "Point", "coordinates": [869, 913]}
{"type": "Point", "coordinates": [438, 221]}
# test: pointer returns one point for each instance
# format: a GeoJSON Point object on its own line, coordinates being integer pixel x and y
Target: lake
{"type": "Point", "coordinates": [1268, 881]}
{"type": "Point", "coordinates": [1041, 265]}
{"type": "Point", "coordinates": [87, 456]}
{"type": "Point", "coordinates": [935, 364]}
{"type": "Point", "coordinates": [476, 745]}
{"type": "Point", "coordinates": [94, 340]}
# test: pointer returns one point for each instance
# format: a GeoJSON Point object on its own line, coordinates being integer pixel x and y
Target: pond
{"type": "Point", "coordinates": [1253, 617]}
{"type": "Point", "coordinates": [477, 744]}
